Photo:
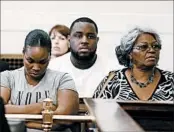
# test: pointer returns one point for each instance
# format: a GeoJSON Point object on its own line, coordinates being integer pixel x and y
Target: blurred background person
{"type": "Point", "coordinates": [139, 52]}
{"type": "Point", "coordinates": [59, 35]}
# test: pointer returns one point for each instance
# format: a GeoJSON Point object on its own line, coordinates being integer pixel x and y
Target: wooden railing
{"type": "Point", "coordinates": [114, 115]}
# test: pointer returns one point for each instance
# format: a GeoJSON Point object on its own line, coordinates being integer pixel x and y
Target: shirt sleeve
{"type": "Point", "coordinates": [67, 82]}
{"type": "Point", "coordinates": [5, 79]}
{"type": "Point", "coordinates": [106, 89]}
{"type": "Point", "coordinates": [99, 88]}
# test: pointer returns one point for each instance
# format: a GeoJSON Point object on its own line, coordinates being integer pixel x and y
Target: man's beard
{"type": "Point", "coordinates": [83, 58]}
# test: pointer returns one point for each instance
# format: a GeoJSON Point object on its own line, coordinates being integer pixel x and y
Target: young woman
{"type": "Point", "coordinates": [27, 87]}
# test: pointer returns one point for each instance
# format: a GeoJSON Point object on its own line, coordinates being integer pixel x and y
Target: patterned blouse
{"type": "Point", "coordinates": [119, 88]}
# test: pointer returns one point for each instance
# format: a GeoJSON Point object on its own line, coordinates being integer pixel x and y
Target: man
{"type": "Point", "coordinates": [83, 64]}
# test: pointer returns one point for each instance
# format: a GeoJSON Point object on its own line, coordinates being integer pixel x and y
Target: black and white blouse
{"type": "Point", "coordinates": [119, 88]}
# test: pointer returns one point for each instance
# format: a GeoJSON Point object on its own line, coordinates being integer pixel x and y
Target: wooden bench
{"type": "Point", "coordinates": [110, 117]}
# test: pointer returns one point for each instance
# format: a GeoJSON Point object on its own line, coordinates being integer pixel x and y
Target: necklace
{"type": "Point", "coordinates": [143, 85]}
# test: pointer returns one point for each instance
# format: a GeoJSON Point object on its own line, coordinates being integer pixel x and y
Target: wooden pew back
{"type": "Point", "coordinates": [152, 116]}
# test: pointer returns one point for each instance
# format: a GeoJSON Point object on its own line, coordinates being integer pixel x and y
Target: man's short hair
{"type": "Point", "coordinates": [84, 19]}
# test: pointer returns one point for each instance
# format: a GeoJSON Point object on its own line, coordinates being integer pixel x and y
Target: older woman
{"type": "Point", "coordinates": [141, 80]}
{"type": "Point", "coordinates": [59, 35]}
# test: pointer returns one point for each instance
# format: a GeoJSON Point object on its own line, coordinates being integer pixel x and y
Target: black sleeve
{"type": "Point", "coordinates": [4, 127]}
